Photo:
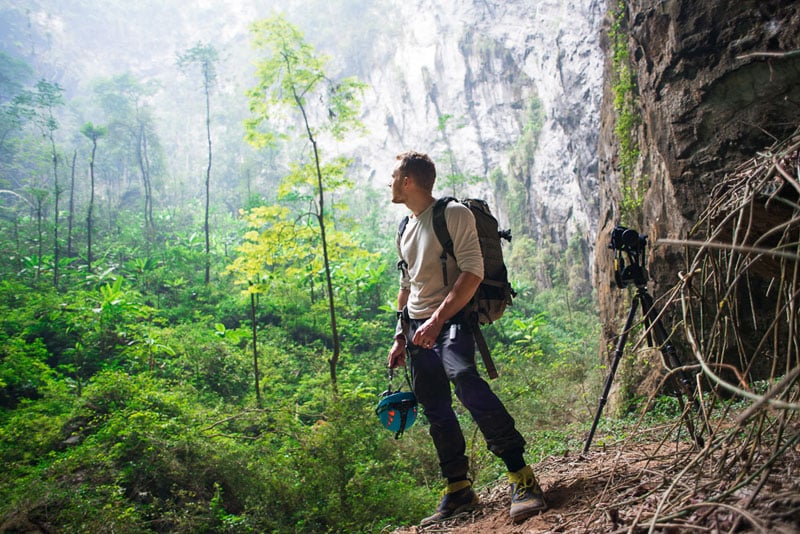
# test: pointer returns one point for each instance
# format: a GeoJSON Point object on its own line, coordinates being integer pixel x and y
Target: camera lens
{"type": "Point", "coordinates": [630, 238]}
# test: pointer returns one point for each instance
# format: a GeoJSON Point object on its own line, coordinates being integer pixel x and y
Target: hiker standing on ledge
{"type": "Point", "coordinates": [433, 329]}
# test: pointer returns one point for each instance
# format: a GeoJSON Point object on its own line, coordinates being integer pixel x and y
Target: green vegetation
{"type": "Point", "coordinates": [521, 161]}
{"type": "Point", "coordinates": [624, 89]}
{"type": "Point", "coordinates": [292, 75]}
{"type": "Point", "coordinates": [158, 378]}
{"type": "Point", "coordinates": [451, 181]}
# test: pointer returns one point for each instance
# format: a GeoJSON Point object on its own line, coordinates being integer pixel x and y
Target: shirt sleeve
{"type": "Point", "coordinates": [466, 244]}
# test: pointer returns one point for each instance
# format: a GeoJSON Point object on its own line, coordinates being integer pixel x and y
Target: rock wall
{"type": "Point", "coordinates": [717, 81]}
{"type": "Point", "coordinates": [458, 81]}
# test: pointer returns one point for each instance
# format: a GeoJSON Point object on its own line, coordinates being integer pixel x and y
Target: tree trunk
{"type": "Point", "coordinates": [57, 194]}
{"type": "Point", "coordinates": [91, 207]}
{"type": "Point", "coordinates": [255, 347]}
{"type": "Point", "coordinates": [71, 205]}
{"type": "Point", "coordinates": [334, 359]}
{"type": "Point", "coordinates": [208, 178]}
{"type": "Point", "coordinates": [144, 168]}
{"type": "Point", "coordinates": [40, 236]}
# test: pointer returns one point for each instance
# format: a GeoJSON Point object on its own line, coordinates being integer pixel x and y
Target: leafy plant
{"type": "Point", "coordinates": [627, 118]}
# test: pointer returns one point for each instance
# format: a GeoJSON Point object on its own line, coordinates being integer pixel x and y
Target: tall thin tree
{"type": "Point", "coordinates": [71, 214]}
{"type": "Point", "coordinates": [206, 57]}
{"type": "Point", "coordinates": [131, 131]}
{"type": "Point", "coordinates": [40, 106]}
{"type": "Point", "coordinates": [93, 133]}
{"type": "Point", "coordinates": [292, 75]}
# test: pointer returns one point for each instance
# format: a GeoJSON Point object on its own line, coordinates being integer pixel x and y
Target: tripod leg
{"type": "Point", "coordinates": [617, 356]}
{"type": "Point", "coordinates": [660, 338]}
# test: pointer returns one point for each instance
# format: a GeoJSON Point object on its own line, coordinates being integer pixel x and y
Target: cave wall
{"type": "Point", "coordinates": [717, 81]}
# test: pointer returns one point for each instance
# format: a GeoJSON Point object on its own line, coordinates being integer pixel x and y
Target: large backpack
{"type": "Point", "coordinates": [495, 292]}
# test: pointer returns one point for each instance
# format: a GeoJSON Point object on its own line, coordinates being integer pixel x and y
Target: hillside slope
{"type": "Point", "coordinates": [637, 484]}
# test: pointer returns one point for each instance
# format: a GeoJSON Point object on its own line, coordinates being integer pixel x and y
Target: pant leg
{"type": "Point", "coordinates": [432, 389]}
{"type": "Point", "coordinates": [488, 411]}
{"type": "Point", "coordinates": [452, 359]}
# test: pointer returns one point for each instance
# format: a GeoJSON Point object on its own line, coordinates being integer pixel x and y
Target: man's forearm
{"type": "Point", "coordinates": [402, 300]}
{"type": "Point", "coordinates": [462, 292]}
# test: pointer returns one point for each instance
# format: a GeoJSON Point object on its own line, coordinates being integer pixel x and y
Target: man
{"type": "Point", "coordinates": [433, 329]}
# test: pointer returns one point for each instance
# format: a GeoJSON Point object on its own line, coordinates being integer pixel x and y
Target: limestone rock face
{"type": "Point", "coordinates": [717, 82]}
{"type": "Point", "coordinates": [459, 80]}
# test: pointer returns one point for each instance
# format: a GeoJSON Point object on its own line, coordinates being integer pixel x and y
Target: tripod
{"type": "Point", "coordinates": [657, 335]}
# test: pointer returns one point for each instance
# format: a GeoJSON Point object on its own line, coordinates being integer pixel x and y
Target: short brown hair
{"type": "Point", "coordinates": [419, 167]}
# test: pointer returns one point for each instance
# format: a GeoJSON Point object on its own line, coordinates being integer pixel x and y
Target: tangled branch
{"type": "Point", "coordinates": [740, 310]}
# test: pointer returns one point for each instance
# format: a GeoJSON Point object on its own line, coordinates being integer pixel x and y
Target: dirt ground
{"type": "Point", "coordinates": [642, 487]}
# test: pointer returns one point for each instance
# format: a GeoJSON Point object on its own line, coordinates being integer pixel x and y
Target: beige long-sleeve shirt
{"type": "Point", "coordinates": [420, 249]}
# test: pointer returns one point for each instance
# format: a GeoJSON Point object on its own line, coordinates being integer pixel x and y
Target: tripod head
{"type": "Point", "coordinates": [633, 245]}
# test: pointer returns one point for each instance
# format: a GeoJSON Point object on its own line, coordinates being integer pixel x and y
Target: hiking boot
{"type": "Point", "coordinates": [457, 497]}
{"type": "Point", "coordinates": [527, 498]}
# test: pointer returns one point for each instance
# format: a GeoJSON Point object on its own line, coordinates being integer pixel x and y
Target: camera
{"type": "Point", "coordinates": [627, 240]}
{"type": "Point", "coordinates": [633, 244]}
{"type": "Point", "coordinates": [629, 268]}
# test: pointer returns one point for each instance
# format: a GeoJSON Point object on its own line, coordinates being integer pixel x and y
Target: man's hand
{"type": "Point", "coordinates": [458, 297]}
{"type": "Point", "coordinates": [427, 333]}
{"type": "Point", "coordinates": [397, 354]}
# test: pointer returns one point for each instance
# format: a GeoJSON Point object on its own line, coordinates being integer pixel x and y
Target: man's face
{"type": "Point", "coordinates": [398, 185]}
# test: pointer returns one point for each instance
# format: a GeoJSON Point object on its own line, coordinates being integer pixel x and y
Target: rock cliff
{"type": "Point", "coordinates": [507, 92]}
{"type": "Point", "coordinates": [716, 82]}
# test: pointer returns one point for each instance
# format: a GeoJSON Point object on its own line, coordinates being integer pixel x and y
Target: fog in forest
{"type": "Point", "coordinates": [83, 45]}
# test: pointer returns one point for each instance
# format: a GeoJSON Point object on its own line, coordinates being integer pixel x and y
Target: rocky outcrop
{"type": "Point", "coordinates": [717, 81]}
{"type": "Point", "coordinates": [506, 92]}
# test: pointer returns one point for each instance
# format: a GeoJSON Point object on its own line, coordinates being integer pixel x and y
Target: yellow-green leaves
{"type": "Point", "coordinates": [290, 76]}
{"type": "Point", "coordinates": [282, 250]}
{"type": "Point", "coordinates": [302, 179]}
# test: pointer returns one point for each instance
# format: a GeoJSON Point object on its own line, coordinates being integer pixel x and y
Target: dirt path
{"type": "Point", "coordinates": [631, 488]}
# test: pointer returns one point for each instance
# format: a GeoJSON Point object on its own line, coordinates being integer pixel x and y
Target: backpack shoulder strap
{"type": "Point", "coordinates": [440, 224]}
{"type": "Point", "coordinates": [402, 227]}
{"type": "Point", "coordinates": [401, 263]}
{"type": "Point", "coordinates": [442, 233]}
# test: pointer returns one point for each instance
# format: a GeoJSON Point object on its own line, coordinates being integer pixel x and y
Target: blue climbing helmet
{"type": "Point", "coordinates": [397, 410]}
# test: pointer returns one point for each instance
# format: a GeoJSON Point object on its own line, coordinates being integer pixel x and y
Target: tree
{"type": "Point", "coordinates": [14, 74]}
{"type": "Point", "coordinates": [71, 213]}
{"type": "Point", "coordinates": [206, 57]}
{"type": "Point", "coordinates": [39, 106]}
{"type": "Point", "coordinates": [292, 75]}
{"type": "Point", "coordinates": [131, 132]}
{"type": "Point", "coordinates": [93, 133]}
{"type": "Point", "coordinates": [39, 196]}
{"type": "Point", "coordinates": [278, 256]}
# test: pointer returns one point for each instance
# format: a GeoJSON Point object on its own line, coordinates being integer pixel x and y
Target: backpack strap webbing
{"type": "Point", "coordinates": [442, 233]}
{"type": "Point", "coordinates": [402, 265]}
{"type": "Point", "coordinates": [483, 347]}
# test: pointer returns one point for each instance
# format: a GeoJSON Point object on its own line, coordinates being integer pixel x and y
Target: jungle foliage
{"type": "Point", "coordinates": [158, 378]}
